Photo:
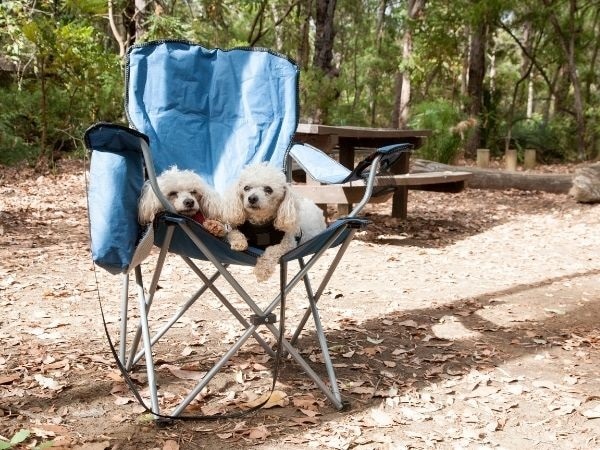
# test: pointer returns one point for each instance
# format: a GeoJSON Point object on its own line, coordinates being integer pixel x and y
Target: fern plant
{"type": "Point", "coordinates": [442, 119]}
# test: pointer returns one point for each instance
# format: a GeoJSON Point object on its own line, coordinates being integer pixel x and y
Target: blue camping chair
{"type": "Point", "coordinates": [213, 111]}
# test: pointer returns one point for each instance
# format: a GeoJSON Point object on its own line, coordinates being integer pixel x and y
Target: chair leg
{"type": "Point", "coordinates": [322, 286]}
{"type": "Point", "coordinates": [160, 333]}
{"type": "Point", "coordinates": [146, 342]}
{"type": "Point", "coordinates": [213, 371]}
{"type": "Point", "coordinates": [153, 284]}
{"type": "Point", "coordinates": [325, 350]}
{"type": "Point", "coordinates": [124, 307]}
{"type": "Point", "coordinates": [210, 284]}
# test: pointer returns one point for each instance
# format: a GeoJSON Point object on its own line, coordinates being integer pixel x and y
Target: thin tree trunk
{"type": "Point", "coordinates": [567, 40]}
{"type": "Point", "coordinates": [323, 56]}
{"type": "Point", "coordinates": [405, 87]}
{"type": "Point", "coordinates": [139, 18]}
{"type": "Point", "coordinates": [403, 95]}
{"type": "Point", "coordinates": [378, 42]}
{"type": "Point", "coordinates": [475, 84]}
{"type": "Point", "coordinates": [115, 30]}
{"type": "Point", "coordinates": [44, 155]}
{"type": "Point", "coordinates": [305, 16]}
{"type": "Point", "coordinates": [396, 111]}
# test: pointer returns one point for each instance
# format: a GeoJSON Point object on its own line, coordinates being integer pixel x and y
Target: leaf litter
{"type": "Point", "coordinates": [470, 338]}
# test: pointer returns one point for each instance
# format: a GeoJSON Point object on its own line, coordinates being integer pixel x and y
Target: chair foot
{"type": "Point", "coordinates": [346, 406]}
{"type": "Point", "coordinates": [162, 422]}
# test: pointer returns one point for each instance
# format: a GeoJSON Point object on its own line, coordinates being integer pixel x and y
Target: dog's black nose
{"type": "Point", "coordinates": [188, 202]}
{"type": "Point", "coordinates": [253, 199]}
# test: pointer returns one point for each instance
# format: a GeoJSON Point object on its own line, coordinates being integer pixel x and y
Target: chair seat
{"type": "Point", "coordinates": [182, 244]}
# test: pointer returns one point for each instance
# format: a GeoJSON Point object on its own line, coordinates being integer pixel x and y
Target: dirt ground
{"type": "Point", "coordinates": [471, 325]}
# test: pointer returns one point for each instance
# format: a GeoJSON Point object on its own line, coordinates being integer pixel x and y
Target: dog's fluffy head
{"type": "Point", "coordinates": [187, 192]}
{"type": "Point", "coordinates": [261, 196]}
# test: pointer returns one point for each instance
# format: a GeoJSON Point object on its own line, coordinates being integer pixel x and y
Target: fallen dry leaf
{"type": "Point", "coordinates": [272, 399]}
{"type": "Point", "coordinates": [170, 445]}
{"type": "Point", "coordinates": [47, 382]}
{"type": "Point", "coordinates": [381, 418]}
{"type": "Point", "coordinates": [8, 379]}
{"type": "Point", "coordinates": [184, 374]}
{"type": "Point", "coordinates": [260, 432]}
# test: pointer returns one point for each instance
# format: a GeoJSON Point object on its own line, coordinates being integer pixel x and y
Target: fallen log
{"type": "Point", "coordinates": [499, 179]}
{"type": "Point", "coordinates": [586, 184]}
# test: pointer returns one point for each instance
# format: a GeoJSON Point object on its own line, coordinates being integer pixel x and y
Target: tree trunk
{"type": "Point", "coordinates": [403, 95]}
{"type": "Point", "coordinates": [323, 56]}
{"type": "Point", "coordinates": [139, 18]}
{"type": "Point", "coordinates": [324, 35]}
{"type": "Point", "coordinates": [567, 39]}
{"type": "Point", "coordinates": [498, 179]}
{"type": "Point", "coordinates": [121, 40]}
{"type": "Point", "coordinates": [475, 84]}
{"type": "Point", "coordinates": [304, 16]}
{"type": "Point", "coordinates": [396, 111]}
{"type": "Point", "coordinates": [44, 157]}
{"type": "Point", "coordinates": [373, 85]}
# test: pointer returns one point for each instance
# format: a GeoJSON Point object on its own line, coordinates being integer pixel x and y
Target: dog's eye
{"type": "Point", "coordinates": [194, 192]}
{"type": "Point", "coordinates": [172, 194]}
{"type": "Point", "coordinates": [268, 190]}
{"type": "Point", "coordinates": [246, 188]}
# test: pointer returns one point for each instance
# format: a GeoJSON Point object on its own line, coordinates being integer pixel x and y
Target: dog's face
{"type": "Point", "coordinates": [262, 195]}
{"type": "Point", "coordinates": [184, 189]}
{"type": "Point", "coordinates": [261, 199]}
{"type": "Point", "coordinates": [185, 202]}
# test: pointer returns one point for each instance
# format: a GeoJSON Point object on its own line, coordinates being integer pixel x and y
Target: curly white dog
{"type": "Point", "coordinates": [264, 212]}
{"type": "Point", "coordinates": [189, 194]}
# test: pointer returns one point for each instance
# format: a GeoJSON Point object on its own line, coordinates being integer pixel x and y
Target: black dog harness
{"type": "Point", "coordinates": [261, 236]}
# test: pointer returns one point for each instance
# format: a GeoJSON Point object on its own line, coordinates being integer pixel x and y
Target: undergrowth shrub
{"type": "Point", "coordinates": [552, 140]}
{"type": "Point", "coordinates": [440, 117]}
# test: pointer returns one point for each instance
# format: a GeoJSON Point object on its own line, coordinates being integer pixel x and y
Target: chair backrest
{"type": "Point", "coordinates": [211, 110]}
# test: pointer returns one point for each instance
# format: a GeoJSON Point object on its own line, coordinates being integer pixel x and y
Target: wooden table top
{"type": "Point", "coordinates": [358, 132]}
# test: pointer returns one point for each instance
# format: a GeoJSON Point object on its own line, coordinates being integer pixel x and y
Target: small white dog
{"type": "Point", "coordinates": [189, 194]}
{"type": "Point", "coordinates": [263, 210]}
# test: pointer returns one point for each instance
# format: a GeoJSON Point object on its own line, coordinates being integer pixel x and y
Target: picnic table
{"type": "Point", "coordinates": [345, 141]}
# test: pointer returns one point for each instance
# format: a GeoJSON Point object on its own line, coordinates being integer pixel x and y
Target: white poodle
{"type": "Point", "coordinates": [189, 194]}
{"type": "Point", "coordinates": [264, 212]}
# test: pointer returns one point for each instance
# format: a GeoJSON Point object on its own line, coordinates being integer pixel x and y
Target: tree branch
{"type": "Point", "coordinates": [113, 27]}
{"type": "Point", "coordinates": [527, 53]}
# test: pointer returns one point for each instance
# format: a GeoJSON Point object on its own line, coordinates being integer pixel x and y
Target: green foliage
{"type": "Point", "coordinates": [69, 82]}
{"type": "Point", "coordinates": [550, 139]}
{"type": "Point", "coordinates": [19, 439]}
{"type": "Point", "coordinates": [166, 27]}
{"type": "Point", "coordinates": [18, 127]}
{"type": "Point", "coordinates": [67, 75]}
{"type": "Point", "coordinates": [440, 117]}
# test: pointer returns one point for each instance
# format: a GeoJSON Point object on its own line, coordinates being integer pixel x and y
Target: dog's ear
{"type": "Point", "coordinates": [209, 201]}
{"type": "Point", "coordinates": [232, 208]}
{"type": "Point", "coordinates": [287, 215]}
{"type": "Point", "coordinates": [148, 204]}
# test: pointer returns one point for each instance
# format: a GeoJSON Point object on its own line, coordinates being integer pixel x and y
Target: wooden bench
{"type": "Point", "coordinates": [385, 186]}
{"type": "Point", "coordinates": [346, 140]}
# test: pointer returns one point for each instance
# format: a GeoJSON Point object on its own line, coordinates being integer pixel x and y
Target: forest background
{"type": "Point", "coordinates": [491, 74]}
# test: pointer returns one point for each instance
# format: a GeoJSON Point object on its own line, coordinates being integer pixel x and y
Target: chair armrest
{"type": "Point", "coordinates": [116, 177]}
{"type": "Point", "coordinates": [114, 138]}
{"type": "Point", "coordinates": [326, 170]}
{"type": "Point", "coordinates": [318, 164]}
{"type": "Point", "coordinates": [110, 137]}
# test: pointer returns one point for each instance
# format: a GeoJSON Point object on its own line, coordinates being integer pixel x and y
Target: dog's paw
{"type": "Point", "coordinates": [239, 246]}
{"type": "Point", "coordinates": [214, 227]}
{"type": "Point", "coordinates": [263, 271]}
{"type": "Point", "coordinates": [237, 241]}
